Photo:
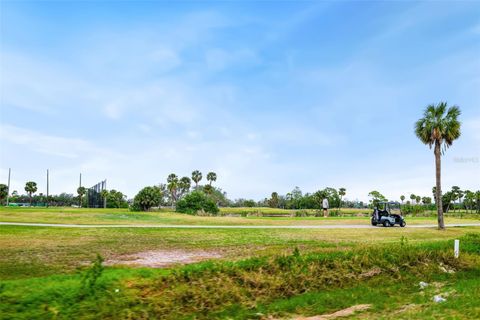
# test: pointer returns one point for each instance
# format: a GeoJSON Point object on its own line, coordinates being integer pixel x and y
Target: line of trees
{"type": "Point", "coordinates": [176, 189]}
{"type": "Point", "coordinates": [112, 198]}
{"type": "Point", "coordinates": [296, 199]}
{"type": "Point", "coordinates": [178, 193]}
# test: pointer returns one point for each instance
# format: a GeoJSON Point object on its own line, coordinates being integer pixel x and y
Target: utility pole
{"type": "Point", "coordinates": [80, 180]}
{"type": "Point", "coordinates": [48, 201]}
{"type": "Point", "coordinates": [8, 187]}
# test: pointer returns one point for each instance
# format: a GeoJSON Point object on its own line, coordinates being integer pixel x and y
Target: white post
{"type": "Point", "coordinates": [456, 248]}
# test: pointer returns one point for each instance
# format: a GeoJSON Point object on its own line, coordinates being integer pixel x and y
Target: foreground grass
{"type": "Point", "coordinates": [40, 251]}
{"type": "Point", "coordinates": [165, 217]}
{"type": "Point", "coordinates": [279, 285]}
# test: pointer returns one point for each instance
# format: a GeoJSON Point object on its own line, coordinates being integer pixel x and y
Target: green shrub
{"type": "Point", "coordinates": [413, 209]}
{"type": "Point", "coordinates": [147, 198]}
{"type": "Point", "coordinates": [197, 202]}
{"type": "Point", "coordinates": [301, 213]}
{"type": "Point", "coordinates": [334, 213]}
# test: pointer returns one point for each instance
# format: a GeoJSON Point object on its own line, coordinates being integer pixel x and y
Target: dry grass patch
{"type": "Point", "coordinates": [163, 258]}
{"type": "Point", "coordinates": [338, 314]}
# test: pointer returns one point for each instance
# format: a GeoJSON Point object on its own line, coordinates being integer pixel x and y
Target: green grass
{"type": "Point", "coordinates": [166, 217]}
{"type": "Point", "coordinates": [41, 268]}
{"type": "Point", "coordinates": [281, 285]}
{"type": "Point", "coordinates": [39, 251]}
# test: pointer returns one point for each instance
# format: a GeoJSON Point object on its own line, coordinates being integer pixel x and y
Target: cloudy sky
{"type": "Point", "coordinates": [270, 95]}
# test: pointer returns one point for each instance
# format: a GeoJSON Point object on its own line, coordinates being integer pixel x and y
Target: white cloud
{"type": "Point", "coordinates": [218, 59]}
{"type": "Point", "coordinates": [472, 129]}
{"type": "Point", "coordinates": [167, 59]}
{"type": "Point", "coordinates": [113, 111]}
{"type": "Point", "coordinates": [43, 143]}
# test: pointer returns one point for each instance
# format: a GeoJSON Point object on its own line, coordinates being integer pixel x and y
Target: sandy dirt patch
{"type": "Point", "coordinates": [163, 258]}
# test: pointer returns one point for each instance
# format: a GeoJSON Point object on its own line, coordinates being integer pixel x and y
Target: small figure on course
{"type": "Point", "coordinates": [325, 207]}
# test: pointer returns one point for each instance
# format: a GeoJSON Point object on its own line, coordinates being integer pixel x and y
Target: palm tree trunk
{"type": "Point", "coordinates": [438, 173]}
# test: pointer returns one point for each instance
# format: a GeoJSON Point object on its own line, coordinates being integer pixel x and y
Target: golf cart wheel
{"type": "Point", "coordinates": [374, 223]}
{"type": "Point", "coordinates": [386, 223]}
{"type": "Point", "coordinates": [403, 224]}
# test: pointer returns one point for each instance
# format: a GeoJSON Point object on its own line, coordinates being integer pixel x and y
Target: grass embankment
{"type": "Point", "coordinates": [165, 217]}
{"type": "Point", "coordinates": [384, 276]}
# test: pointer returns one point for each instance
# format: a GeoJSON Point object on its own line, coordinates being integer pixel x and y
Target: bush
{"type": "Point", "coordinates": [334, 213]}
{"type": "Point", "coordinates": [412, 209]}
{"type": "Point", "coordinates": [301, 213]}
{"type": "Point", "coordinates": [197, 202]}
{"type": "Point", "coordinates": [147, 197]}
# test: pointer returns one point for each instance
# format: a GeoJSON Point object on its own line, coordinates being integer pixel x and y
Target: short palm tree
{"type": "Point", "coordinates": [439, 127]}
{"type": "Point", "coordinates": [30, 188]}
{"type": "Point", "coordinates": [402, 197]}
{"type": "Point", "coordinates": [418, 199]}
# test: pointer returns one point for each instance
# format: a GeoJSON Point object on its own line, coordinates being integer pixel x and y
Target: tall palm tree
{"type": "Point", "coordinates": [211, 176]}
{"type": "Point", "coordinates": [457, 194]}
{"type": "Point", "coordinates": [104, 195]}
{"type": "Point", "coordinates": [172, 186]}
{"type": "Point", "coordinates": [341, 193]}
{"type": "Point", "coordinates": [413, 197]}
{"type": "Point", "coordinates": [196, 177]}
{"type": "Point", "coordinates": [30, 188]}
{"type": "Point", "coordinates": [81, 192]}
{"type": "Point", "coordinates": [439, 127]}
{"type": "Point", "coordinates": [184, 185]}
{"type": "Point", "coordinates": [402, 197]}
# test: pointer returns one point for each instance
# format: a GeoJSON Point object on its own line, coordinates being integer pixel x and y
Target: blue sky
{"type": "Point", "coordinates": [270, 95]}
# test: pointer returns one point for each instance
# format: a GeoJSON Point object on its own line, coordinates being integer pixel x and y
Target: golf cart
{"type": "Point", "coordinates": [388, 214]}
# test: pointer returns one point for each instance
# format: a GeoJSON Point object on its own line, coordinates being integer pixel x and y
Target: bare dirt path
{"type": "Point", "coordinates": [340, 226]}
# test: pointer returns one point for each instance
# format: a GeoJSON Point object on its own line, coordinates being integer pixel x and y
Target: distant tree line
{"type": "Point", "coordinates": [295, 199]}
{"type": "Point", "coordinates": [112, 198]}
{"type": "Point", "coordinates": [178, 193]}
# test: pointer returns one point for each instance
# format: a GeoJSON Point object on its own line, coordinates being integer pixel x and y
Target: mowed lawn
{"type": "Point", "coordinates": [167, 217]}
